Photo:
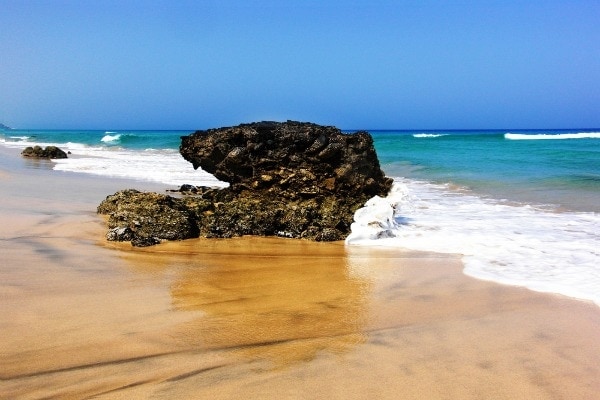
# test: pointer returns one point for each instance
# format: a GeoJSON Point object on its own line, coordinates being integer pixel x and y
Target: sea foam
{"type": "Point", "coordinates": [507, 243]}
{"type": "Point", "coordinates": [161, 166]}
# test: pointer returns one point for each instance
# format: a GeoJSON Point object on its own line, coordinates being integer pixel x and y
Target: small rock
{"type": "Point", "coordinates": [119, 234]}
{"type": "Point", "coordinates": [39, 152]}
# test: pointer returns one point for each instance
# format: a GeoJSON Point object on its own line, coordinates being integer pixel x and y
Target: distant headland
{"type": "Point", "coordinates": [5, 128]}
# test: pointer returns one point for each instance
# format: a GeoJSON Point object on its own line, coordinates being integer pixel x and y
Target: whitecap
{"type": "Point", "coordinates": [429, 135]}
{"type": "Point", "coordinates": [111, 138]}
{"type": "Point", "coordinates": [548, 136]}
{"type": "Point", "coordinates": [19, 138]}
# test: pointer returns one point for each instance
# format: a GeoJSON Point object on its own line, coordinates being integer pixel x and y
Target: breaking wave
{"type": "Point", "coordinates": [111, 137]}
{"type": "Point", "coordinates": [429, 135]}
{"type": "Point", "coordinates": [549, 136]}
{"type": "Point", "coordinates": [515, 244]}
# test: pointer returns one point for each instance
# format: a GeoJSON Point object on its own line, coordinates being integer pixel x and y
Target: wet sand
{"type": "Point", "coordinates": [260, 318]}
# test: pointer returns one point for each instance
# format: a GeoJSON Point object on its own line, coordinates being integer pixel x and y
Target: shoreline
{"type": "Point", "coordinates": [266, 317]}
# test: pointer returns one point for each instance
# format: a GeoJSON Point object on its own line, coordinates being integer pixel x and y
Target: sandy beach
{"type": "Point", "coordinates": [83, 318]}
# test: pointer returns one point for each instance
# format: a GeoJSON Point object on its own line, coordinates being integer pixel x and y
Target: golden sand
{"type": "Point", "coordinates": [259, 318]}
{"type": "Point", "coordinates": [277, 318]}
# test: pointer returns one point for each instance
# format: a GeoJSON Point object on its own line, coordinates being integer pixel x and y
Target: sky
{"type": "Point", "coordinates": [355, 64]}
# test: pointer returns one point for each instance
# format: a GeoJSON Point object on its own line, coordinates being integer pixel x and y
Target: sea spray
{"type": "Point", "coordinates": [380, 217]}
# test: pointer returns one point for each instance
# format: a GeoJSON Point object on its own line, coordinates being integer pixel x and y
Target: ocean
{"type": "Point", "coordinates": [521, 206]}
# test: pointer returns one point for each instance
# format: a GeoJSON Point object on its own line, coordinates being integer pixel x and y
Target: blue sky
{"type": "Point", "coordinates": [355, 64]}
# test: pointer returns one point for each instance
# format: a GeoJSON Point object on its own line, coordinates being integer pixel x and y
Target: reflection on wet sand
{"type": "Point", "coordinates": [269, 299]}
{"type": "Point", "coordinates": [273, 318]}
{"type": "Point", "coordinates": [38, 163]}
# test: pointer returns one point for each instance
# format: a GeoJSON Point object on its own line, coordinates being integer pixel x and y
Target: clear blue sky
{"type": "Point", "coordinates": [354, 64]}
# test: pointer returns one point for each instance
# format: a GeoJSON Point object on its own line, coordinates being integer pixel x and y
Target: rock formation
{"type": "Point", "coordinates": [291, 159]}
{"type": "Point", "coordinates": [290, 179]}
{"type": "Point", "coordinates": [147, 218]}
{"type": "Point", "coordinates": [39, 152]}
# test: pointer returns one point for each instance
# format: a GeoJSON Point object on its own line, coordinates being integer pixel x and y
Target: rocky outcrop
{"type": "Point", "coordinates": [39, 152]}
{"type": "Point", "coordinates": [146, 219]}
{"type": "Point", "coordinates": [291, 159]}
{"type": "Point", "coordinates": [291, 179]}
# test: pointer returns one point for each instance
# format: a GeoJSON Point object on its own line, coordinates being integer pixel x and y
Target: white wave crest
{"type": "Point", "coordinates": [429, 135]}
{"type": "Point", "coordinates": [111, 138]}
{"type": "Point", "coordinates": [20, 138]}
{"type": "Point", "coordinates": [557, 136]}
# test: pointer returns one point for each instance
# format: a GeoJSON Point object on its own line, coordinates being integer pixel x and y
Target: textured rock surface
{"type": "Point", "coordinates": [39, 152]}
{"type": "Point", "coordinates": [147, 218]}
{"type": "Point", "coordinates": [290, 179]}
{"type": "Point", "coordinates": [291, 159]}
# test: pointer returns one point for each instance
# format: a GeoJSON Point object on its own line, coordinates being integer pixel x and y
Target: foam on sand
{"type": "Point", "coordinates": [163, 166]}
{"type": "Point", "coordinates": [507, 243]}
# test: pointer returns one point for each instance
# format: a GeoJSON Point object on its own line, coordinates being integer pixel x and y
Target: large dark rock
{"type": "Point", "coordinates": [39, 152]}
{"type": "Point", "coordinates": [291, 159]}
{"type": "Point", "coordinates": [291, 179]}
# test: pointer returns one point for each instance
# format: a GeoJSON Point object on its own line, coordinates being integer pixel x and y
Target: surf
{"type": "Point", "coordinates": [111, 137]}
{"type": "Point", "coordinates": [551, 136]}
{"type": "Point", "coordinates": [509, 243]}
{"type": "Point", "coordinates": [428, 135]}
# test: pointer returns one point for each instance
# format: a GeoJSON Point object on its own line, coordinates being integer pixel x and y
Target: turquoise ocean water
{"type": "Point", "coordinates": [521, 206]}
{"type": "Point", "coordinates": [560, 168]}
